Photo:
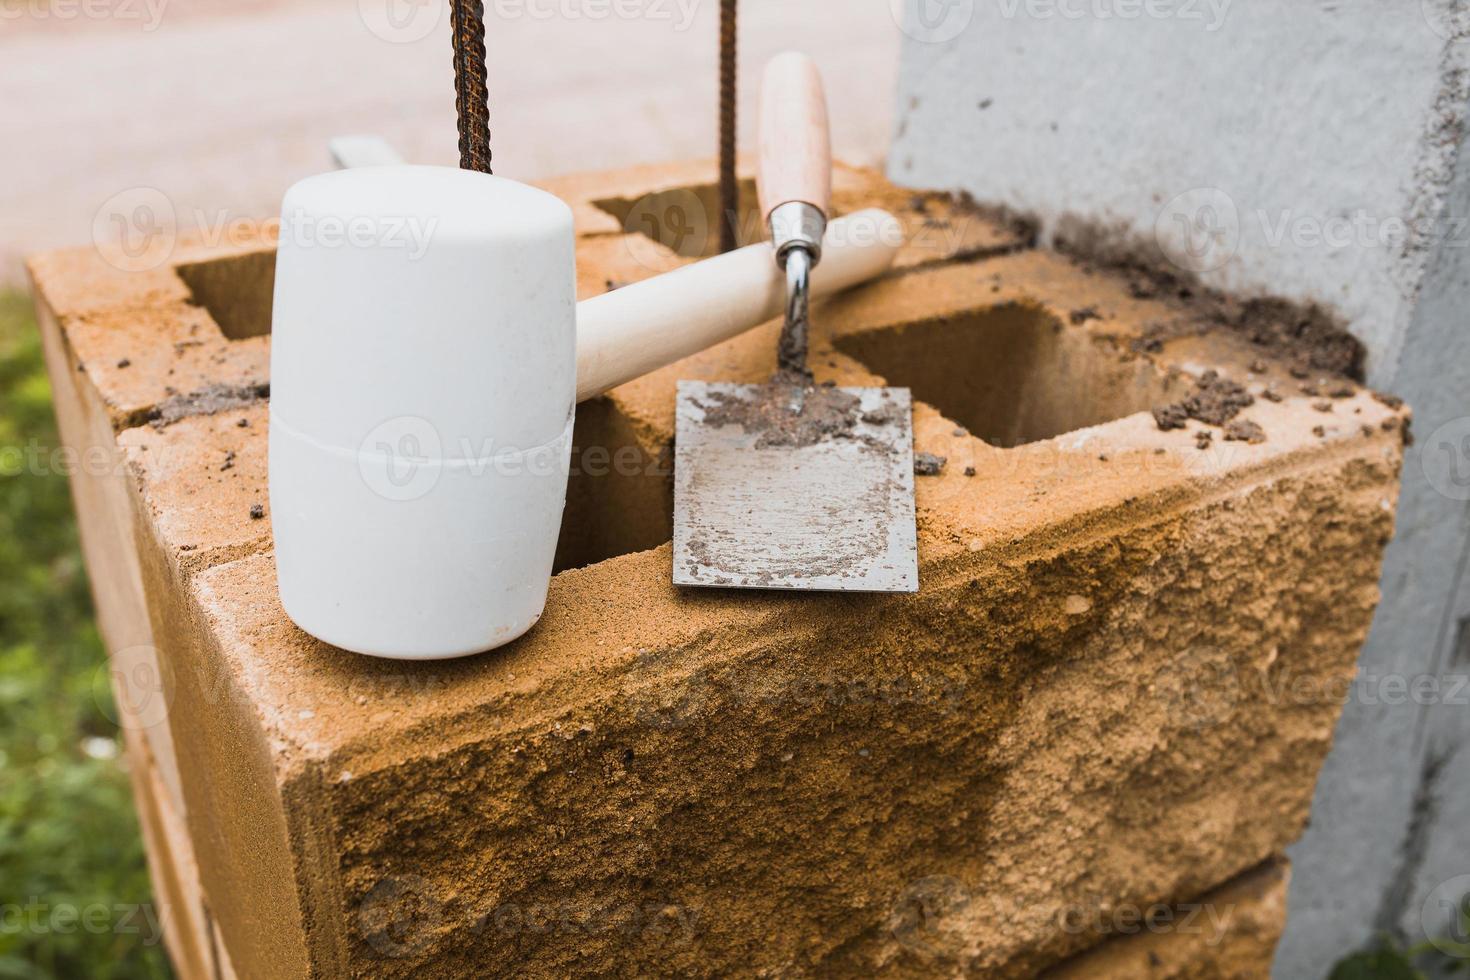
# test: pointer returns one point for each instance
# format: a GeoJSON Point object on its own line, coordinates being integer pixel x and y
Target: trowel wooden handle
{"type": "Point", "coordinates": [647, 325]}
{"type": "Point", "coordinates": [795, 138]}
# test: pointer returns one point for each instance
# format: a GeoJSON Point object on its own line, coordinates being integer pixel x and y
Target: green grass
{"type": "Point", "coordinates": [74, 893]}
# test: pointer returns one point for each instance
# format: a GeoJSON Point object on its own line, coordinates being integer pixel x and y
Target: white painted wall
{"type": "Point", "coordinates": [1313, 149]}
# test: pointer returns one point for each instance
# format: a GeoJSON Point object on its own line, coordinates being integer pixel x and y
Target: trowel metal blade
{"type": "Point", "coordinates": [832, 512]}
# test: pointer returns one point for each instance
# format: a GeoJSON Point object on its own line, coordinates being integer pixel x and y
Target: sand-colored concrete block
{"type": "Point", "coordinates": [1093, 700]}
{"type": "Point", "coordinates": [177, 897]}
{"type": "Point", "coordinates": [100, 489]}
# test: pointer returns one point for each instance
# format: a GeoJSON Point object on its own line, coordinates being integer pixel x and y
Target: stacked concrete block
{"type": "Point", "coordinates": [1112, 692]}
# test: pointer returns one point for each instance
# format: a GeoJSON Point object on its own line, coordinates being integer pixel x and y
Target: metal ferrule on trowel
{"type": "Point", "coordinates": [796, 234]}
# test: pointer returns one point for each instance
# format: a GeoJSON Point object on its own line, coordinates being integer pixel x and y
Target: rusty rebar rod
{"type": "Point", "coordinates": [729, 188]}
{"type": "Point", "coordinates": [471, 90]}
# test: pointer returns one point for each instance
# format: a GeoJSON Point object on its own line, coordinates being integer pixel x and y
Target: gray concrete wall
{"type": "Point", "coordinates": [1314, 150]}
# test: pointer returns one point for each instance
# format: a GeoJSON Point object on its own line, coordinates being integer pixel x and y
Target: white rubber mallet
{"type": "Point", "coordinates": [427, 352]}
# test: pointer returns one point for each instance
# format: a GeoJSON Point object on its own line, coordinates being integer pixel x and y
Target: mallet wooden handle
{"type": "Point", "coordinates": [795, 137]}
{"type": "Point", "coordinates": [642, 327]}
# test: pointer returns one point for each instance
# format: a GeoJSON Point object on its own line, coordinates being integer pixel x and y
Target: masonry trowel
{"type": "Point", "coordinates": [791, 484]}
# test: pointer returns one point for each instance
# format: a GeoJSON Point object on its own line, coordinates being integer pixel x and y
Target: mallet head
{"type": "Point", "coordinates": [423, 377]}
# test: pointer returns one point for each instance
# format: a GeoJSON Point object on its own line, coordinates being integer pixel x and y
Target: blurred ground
{"type": "Point", "coordinates": [74, 894]}
{"type": "Point", "coordinates": [221, 104]}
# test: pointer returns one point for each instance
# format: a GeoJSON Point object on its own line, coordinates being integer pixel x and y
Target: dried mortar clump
{"type": "Point", "coordinates": [787, 413]}
{"type": "Point", "coordinates": [1244, 430]}
{"type": "Point", "coordinates": [928, 464]}
{"type": "Point", "coordinates": [1215, 401]}
{"type": "Point", "coordinates": [208, 400]}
